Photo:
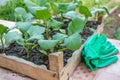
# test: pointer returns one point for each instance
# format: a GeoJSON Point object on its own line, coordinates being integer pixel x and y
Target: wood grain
{"type": "Point", "coordinates": [72, 64]}
{"type": "Point", "coordinates": [27, 68]}
{"type": "Point", "coordinates": [56, 61]}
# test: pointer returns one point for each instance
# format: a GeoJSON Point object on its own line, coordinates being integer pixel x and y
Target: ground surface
{"type": "Point", "coordinates": [112, 23]}
{"type": "Point", "coordinates": [81, 73]}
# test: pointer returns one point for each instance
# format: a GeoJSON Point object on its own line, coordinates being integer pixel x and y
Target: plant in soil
{"type": "Point", "coordinates": [99, 12]}
{"type": "Point", "coordinates": [3, 31]}
{"type": "Point", "coordinates": [59, 27]}
{"type": "Point", "coordinates": [28, 33]}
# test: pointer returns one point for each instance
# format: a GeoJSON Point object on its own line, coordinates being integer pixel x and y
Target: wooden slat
{"type": "Point", "coordinates": [27, 68]}
{"type": "Point", "coordinates": [56, 61]}
{"type": "Point", "coordinates": [100, 29]}
{"type": "Point", "coordinates": [72, 64]}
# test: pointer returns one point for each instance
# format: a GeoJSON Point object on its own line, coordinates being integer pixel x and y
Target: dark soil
{"type": "Point", "coordinates": [35, 56]}
{"type": "Point", "coordinates": [39, 58]}
{"type": "Point", "coordinates": [87, 32]}
{"type": "Point", "coordinates": [112, 23]}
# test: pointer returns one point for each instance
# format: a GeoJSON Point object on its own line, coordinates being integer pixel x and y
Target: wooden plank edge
{"type": "Point", "coordinates": [100, 29]}
{"type": "Point", "coordinates": [71, 65]}
{"type": "Point", "coordinates": [56, 61]}
{"type": "Point", "coordinates": [27, 68]}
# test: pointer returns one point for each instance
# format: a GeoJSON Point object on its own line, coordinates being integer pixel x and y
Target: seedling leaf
{"type": "Point", "coordinates": [73, 42]}
{"type": "Point", "coordinates": [3, 29]}
{"type": "Point", "coordinates": [20, 13]}
{"type": "Point", "coordinates": [35, 30]}
{"type": "Point", "coordinates": [43, 14]}
{"type": "Point", "coordinates": [56, 25]}
{"type": "Point", "coordinates": [12, 37]}
{"type": "Point", "coordinates": [71, 14]}
{"type": "Point", "coordinates": [59, 37]}
{"type": "Point", "coordinates": [85, 11]}
{"type": "Point", "coordinates": [47, 44]}
{"type": "Point", "coordinates": [76, 25]}
{"type": "Point", "coordinates": [37, 37]}
{"type": "Point", "coordinates": [23, 26]}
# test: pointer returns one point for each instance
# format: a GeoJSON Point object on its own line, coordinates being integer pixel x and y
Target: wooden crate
{"type": "Point", "coordinates": [57, 70]}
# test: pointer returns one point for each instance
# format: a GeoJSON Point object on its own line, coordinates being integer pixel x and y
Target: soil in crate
{"type": "Point", "coordinates": [36, 57]}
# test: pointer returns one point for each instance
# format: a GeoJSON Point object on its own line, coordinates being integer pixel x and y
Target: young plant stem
{"type": "Point", "coordinates": [28, 53]}
{"type": "Point", "coordinates": [47, 29]}
{"type": "Point", "coordinates": [22, 19]}
{"type": "Point", "coordinates": [86, 19]}
{"type": "Point", "coordinates": [2, 44]}
{"type": "Point", "coordinates": [62, 49]}
{"type": "Point", "coordinates": [61, 17]}
{"type": "Point", "coordinates": [27, 46]}
{"type": "Point", "coordinates": [52, 50]}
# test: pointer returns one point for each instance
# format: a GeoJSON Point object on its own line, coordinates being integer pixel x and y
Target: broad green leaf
{"type": "Point", "coordinates": [59, 37]}
{"type": "Point", "coordinates": [33, 10]}
{"type": "Point", "coordinates": [62, 7]}
{"type": "Point", "coordinates": [19, 13]}
{"type": "Point", "coordinates": [43, 14]}
{"type": "Point", "coordinates": [28, 16]}
{"type": "Point", "coordinates": [3, 29]}
{"type": "Point", "coordinates": [73, 42]}
{"type": "Point", "coordinates": [42, 2]}
{"type": "Point", "coordinates": [32, 6]}
{"type": "Point", "coordinates": [72, 7]}
{"type": "Point", "coordinates": [71, 14]}
{"type": "Point", "coordinates": [21, 42]}
{"type": "Point", "coordinates": [29, 3]}
{"type": "Point", "coordinates": [79, 2]}
{"type": "Point", "coordinates": [55, 24]}
{"type": "Point", "coordinates": [85, 11]}
{"type": "Point", "coordinates": [47, 44]}
{"type": "Point", "coordinates": [76, 25]}
{"type": "Point", "coordinates": [23, 26]}
{"type": "Point", "coordinates": [54, 6]}
{"type": "Point", "coordinates": [117, 34]}
{"type": "Point", "coordinates": [63, 31]}
{"type": "Point", "coordinates": [36, 37]}
{"type": "Point", "coordinates": [35, 30]}
{"type": "Point", "coordinates": [12, 37]}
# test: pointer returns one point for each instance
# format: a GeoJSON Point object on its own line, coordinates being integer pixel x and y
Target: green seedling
{"type": "Point", "coordinates": [28, 33]}
{"type": "Point", "coordinates": [3, 30]}
{"type": "Point", "coordinates": [86, 12]}
{"type": "Point", "coordinates": [21, 14]}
